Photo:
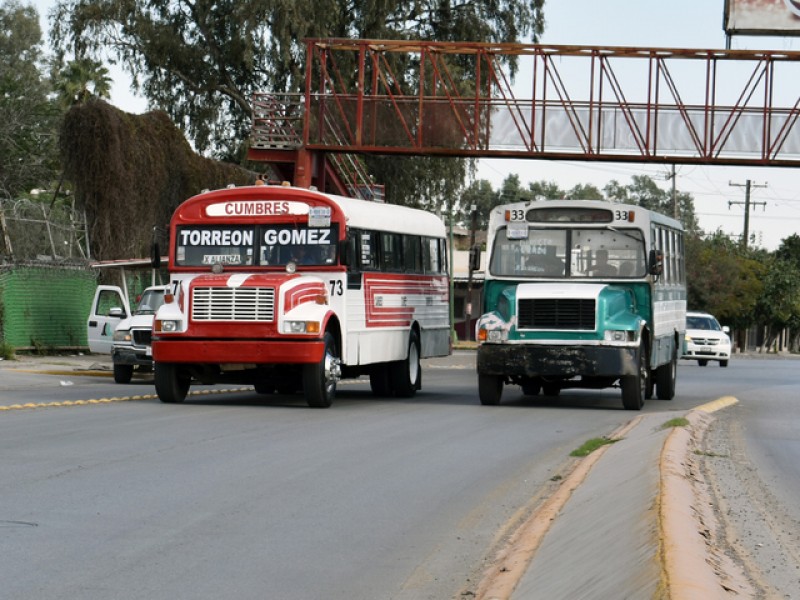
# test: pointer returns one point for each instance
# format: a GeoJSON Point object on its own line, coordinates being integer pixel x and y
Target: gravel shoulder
{"type": "Point", "coordinates": [752, 527]}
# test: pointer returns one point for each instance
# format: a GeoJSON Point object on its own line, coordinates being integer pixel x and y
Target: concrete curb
{"type": "Point", "coordinates": [689, 572]}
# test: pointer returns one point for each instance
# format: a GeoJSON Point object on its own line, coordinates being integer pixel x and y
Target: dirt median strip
{"type": "Point", "coordinates": [509, 567]}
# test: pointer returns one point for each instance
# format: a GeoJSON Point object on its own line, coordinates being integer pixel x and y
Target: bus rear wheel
{"type": "Point", "coordinates": [171, 385]}
{"type": "Point", "coordinates": [634, 387]}
{"type": "Point", "coordinates": [380, 380]}
{"type": "Point", "coordinates": [665, 379]}
{"type": "Point", "coordinates": [319, 379]}
{"type": "Point", "coordinates": [490, 389]}
{"type": "Point", "coordinates": [405, 375]}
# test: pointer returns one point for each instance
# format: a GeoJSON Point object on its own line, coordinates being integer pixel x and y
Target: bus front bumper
{"type": "Point", "coordinates": [262, 352]}
{"type": "Point", "coordinates": [526, 360]}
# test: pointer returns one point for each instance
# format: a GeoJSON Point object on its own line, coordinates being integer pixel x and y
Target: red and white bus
{"type": "Point", "coordinates": [287, 288]}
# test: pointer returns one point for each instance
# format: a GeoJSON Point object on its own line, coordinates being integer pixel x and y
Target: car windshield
{"type": "Point", "coordinates": [704, 323]}
{"type": "Point", "coordinates": [150, 302]}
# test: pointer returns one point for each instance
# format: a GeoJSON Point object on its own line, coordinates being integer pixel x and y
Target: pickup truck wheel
{"type": "Point", "coordinates": [123, 373]}
{"type": "Point", "coordinates": [319, 379]}
{"type": "Point", "coordinates": [171, 385]}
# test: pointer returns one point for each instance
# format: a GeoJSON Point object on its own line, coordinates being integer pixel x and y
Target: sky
{"type": "Point", "coordinates": [642, 23]}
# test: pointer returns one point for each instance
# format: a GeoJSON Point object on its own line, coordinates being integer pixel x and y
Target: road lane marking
{"type": "Point", "coordinates": [66, 403]}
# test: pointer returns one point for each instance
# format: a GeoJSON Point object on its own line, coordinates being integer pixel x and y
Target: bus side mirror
{"type": "Point", "coordinates": [344, 253]}
{"type": "Point", "coordinates": [656, 266]}
{"type": "Point", "coordinates": [475, 258]}
{"type": "Point", "coordinates": [155, 256]}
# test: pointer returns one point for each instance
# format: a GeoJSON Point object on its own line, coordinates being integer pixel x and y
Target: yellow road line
{"type": "Point", "coordinates": [33, 405]}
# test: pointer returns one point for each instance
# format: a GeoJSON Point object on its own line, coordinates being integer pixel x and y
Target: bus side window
{"type": "Point", "coordinates": [412, 259]}
{"type": "Point", "coordinates": [367, 247]}
{"type": "Point", "coordinates": [391, 252]}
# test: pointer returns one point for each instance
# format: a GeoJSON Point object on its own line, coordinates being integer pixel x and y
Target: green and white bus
{"type": "Point", "coordinates": [581, 293]}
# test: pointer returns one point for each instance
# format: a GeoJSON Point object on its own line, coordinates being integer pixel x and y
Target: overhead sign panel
{"type": "Point", "coordinates": [762, 17]}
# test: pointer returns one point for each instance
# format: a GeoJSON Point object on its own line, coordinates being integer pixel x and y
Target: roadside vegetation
{"type": "Point", "coordinates": [591, 445]}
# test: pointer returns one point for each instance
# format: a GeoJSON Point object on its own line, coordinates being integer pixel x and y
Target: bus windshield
{"type": "Point", "coordinates": [569, 253]}
{"type": "Point", "coordinates": [264, 245]}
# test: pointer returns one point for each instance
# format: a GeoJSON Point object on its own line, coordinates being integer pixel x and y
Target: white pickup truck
{"type": "Point", "coordinates": [112, 328]}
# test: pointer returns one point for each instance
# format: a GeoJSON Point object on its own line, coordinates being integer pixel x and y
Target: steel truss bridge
{"type": "Point", "coordinates": [620, 104]}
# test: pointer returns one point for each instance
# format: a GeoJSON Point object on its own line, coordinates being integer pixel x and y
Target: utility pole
{"type": "Point", "coordinates": [472, 254]}
{"type": "Point", "coordinates": [674, 195]}
{"type": "Point", "coordinates": [747, 186]}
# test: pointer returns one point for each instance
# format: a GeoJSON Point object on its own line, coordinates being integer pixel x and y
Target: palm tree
{"type": "Point", "coordinates": [82, 79]}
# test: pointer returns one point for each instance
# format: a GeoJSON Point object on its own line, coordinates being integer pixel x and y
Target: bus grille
{"type": "Point", "coordinates": [561, 313]}
{"type": "Point", "coordinates": [233, 304]}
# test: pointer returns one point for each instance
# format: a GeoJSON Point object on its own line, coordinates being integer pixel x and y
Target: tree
{"type": "Point", "coordinates": [80, 80]}
{"type": "Point", "coordinates": [201, 60]}
{"type": "Point", "coordinates": [483, 197]}
{"type": "Point", "coordinates": [585, 192]}
{"type": "Point", "coordinates": [27, 118]}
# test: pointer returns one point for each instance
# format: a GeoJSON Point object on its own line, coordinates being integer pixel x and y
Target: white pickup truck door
{"type": "Point", "coordinates": [101, 322]}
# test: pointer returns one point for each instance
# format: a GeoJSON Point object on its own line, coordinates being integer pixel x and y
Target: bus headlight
{"type": "Point", "coordinates": [301, 327]}
{"type": "Point", "coordinates": [167, 325]}
{"type": "Point", "coordinates": [620, 335]}
{"type": "Point", "coordinates": [493, 336]}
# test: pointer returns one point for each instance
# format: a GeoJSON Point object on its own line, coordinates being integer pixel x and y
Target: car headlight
{"type": "Point", "coordinates": [301, 327]}
{"type": "Point", "coordinates": [167, 325]}
{"type": "Point", "coordinates": [122, 336]}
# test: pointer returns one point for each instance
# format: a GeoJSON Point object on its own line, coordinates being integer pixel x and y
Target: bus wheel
{"type": "Point", "coordinates": [171, 385]}
{"type": "Point", "coordinates": [531, 389]}
{"type": "Point", "coordinates": [490, 388]}
{"type": "Point", "coordinates": [551, 389]}
{"type": "Point", "coordinates": [123, 373]}
{"type": "Point", "coordinates": [405, 374]}
{"type": "Point", "coordinates": [264, 387]}
{"type": "Point", "coordinates": [634, 387]}
{"type": "Point", "coordinates": [319, 379]}
{"type": "Point", "coordinates": [380, 381]}
{"type": "Point", "coordinates": [665, 379]}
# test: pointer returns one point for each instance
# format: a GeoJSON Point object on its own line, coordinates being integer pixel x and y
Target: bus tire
{"type": "Point", "coordinates": [531, 389]}
{"type": "Point", "coordinates": [405, 374]}
{"type": "Point", "coordinates": [171, 385]}
{"type": "Point", "coordinates": [634, 387]}
{"type": "Point", "coordinates": [319, 379]}
{"type": "Point", "coordinates": [490, 389]}
{"type": "Point", "coordinates": [551, 389]}
{"type": "Point", "coordinates": [264, 387]}
{"type": "Point", "coordinates": [123, 373]}
{"type": "Point", "coordinates": [380, 381]}
{"type": "Point", "coordinates": [665, 379]}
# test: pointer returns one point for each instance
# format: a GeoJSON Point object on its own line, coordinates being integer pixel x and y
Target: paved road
{"type": "Point", "coordinates": [253, 496]}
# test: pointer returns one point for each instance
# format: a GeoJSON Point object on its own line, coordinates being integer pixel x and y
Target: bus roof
{"type": "Point", "coordinates": [360, 214]}
{"type": "Point", "coordinates": [497, 211]}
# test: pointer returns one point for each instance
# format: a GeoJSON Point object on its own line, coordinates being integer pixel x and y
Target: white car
{"type": "Point", "coordinates": [706, 340]}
